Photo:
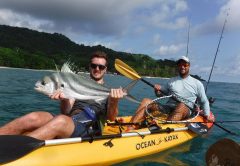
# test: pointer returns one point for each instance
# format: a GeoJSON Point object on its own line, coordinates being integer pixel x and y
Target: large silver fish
{"type": "Point", "coordinates": [77, 86]}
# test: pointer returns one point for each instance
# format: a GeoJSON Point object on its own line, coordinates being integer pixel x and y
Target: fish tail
{"type": "Point", "coordinates": [127, 89]}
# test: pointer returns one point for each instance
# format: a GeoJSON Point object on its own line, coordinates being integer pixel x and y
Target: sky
{"type": "Point", "coordinates": [157, 28]}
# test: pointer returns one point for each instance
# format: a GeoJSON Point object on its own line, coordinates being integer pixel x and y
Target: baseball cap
{"type": "Point", "coordinates": [184, 58]}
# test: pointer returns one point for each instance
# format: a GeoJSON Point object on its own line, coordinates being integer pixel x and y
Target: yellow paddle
{"type": "Point", "coordinates": [127, 71]}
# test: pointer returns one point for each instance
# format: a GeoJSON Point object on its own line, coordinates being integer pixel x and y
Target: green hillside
{"type": "Point", "coordinates": [25, 48]}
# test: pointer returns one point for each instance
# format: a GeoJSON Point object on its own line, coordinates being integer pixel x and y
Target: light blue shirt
{"type": "Point", "coordinates": [189, 89]}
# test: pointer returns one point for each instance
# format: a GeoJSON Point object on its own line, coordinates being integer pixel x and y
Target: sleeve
{"type": "Point", "coordinates": [203, 100]}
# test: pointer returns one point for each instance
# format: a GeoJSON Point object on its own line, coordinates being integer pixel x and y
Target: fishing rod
{"type": "Point", "coordinates": [167, 122]}
{"type": "Point", "coordinates": [188, 39]}
{"type": "Point", "coordinates": [211, 100]}
{"type": "Point", "coordinates": [121, 124]}
{"type": "Point", "coordinates": [221, 36]}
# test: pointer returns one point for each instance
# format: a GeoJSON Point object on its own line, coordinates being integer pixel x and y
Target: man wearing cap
{"type": "Point", "coordinates": [186, 89]}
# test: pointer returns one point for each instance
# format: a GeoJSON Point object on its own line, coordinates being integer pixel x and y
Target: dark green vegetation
{"type": "Point", "coordinates": [25, 48]}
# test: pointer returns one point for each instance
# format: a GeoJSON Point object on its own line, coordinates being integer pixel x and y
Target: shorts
{"type": "Point", "coordinates": [84, 128]}
{"type": "Point", "coordinates": [169, 108]}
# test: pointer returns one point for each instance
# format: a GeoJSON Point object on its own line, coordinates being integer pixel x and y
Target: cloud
{"type": "Point", "coordinates": [229, 11]}
{"type": "Point", "coordinates": [157, 39]}
{"type": "Point", "coordinates": [22, 20]}
{"type": "Point", "coordinates": [167, 15]}
{"type": "Point", "coordinates": [178, 23]}
{"type": "Point", "coordinates": [86, 16]}
{"type": "Point", "coordinates": [104, 18]}
{"type": "Point", "coordinates": [234, 14]}
{"type": "Point", "coordinates": [169, 50]}
{"type": "Point", "coordinates": [230, 68]}
{"type": "Point", "coordinates": [233, 68]}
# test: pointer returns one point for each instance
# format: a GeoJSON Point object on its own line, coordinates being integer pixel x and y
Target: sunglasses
{"type": "Point", "coordinates": [94, 66]}
{"type": "Point", "coordinates": [183, 64]}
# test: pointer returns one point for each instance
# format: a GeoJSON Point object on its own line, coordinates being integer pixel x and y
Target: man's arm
{"type": "Point", "coordinates": [113, 99]}
{"type": "Point", "coordinates": [204, 103]}
{"type": "Point", "coordinates": [65, 104]}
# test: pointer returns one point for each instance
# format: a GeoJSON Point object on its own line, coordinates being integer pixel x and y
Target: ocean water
{"type": "Point", "coordinates": [17, 97]}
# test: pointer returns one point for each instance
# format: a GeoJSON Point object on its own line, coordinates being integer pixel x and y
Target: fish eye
{"type": "Point", "coordinates": [43, 83]}
{"type": "Point", "coordinates": [62, 85]}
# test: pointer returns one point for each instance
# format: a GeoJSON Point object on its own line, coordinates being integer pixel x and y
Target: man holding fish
{"type": "Point", "coordinates": [85, 105]}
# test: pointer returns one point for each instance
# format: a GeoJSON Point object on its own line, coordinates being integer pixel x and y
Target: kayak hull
{"type": "Point", "coordinates": [107, 151]}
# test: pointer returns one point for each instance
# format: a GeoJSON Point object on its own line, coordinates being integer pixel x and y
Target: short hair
{"type": "Point", "coordinates": [99, 54]}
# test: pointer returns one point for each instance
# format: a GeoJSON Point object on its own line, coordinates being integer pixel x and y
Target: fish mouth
{"type": "Point", "coordinates": [38, 86]}
{"type": "Point", "coordinates": [41, 90]}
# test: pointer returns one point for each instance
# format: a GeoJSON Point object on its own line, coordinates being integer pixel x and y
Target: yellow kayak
{"type": "Point", "coordinates": [112, 147]}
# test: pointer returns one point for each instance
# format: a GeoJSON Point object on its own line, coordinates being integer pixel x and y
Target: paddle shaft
{"type": "Point", "coordinates": [150, 84]}
{"type": "Point", "coordinates": [129, 134]}
{"type": "Point", "coordinates": [145, 81]}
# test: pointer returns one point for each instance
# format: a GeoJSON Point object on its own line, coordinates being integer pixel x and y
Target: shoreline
{"type": "Point", "coordinates": [5, 67]}
{"type": "Point", "coordinates": [164, 78]}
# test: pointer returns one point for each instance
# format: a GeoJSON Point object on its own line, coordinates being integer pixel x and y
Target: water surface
{"type": "Point", "coordinates": [17, 97]}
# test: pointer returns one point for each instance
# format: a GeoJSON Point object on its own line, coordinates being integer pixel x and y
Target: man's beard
{"type": "Point", "coordinates": [96, 79]}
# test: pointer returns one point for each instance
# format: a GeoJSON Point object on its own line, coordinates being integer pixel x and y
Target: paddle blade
{"type": "Point", "coordinates": [126, 70]}
{"type": "Point", "coordinates": [223, 152]}
{"type": "Point", "coordinates": [13, 147]}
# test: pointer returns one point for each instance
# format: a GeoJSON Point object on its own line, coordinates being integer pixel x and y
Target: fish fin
{"type": "Point", "coordinates": [67, 67]}
{"type": "Point", "coordinates": [56, 66]}
{"type": "Point", "coordinates": [127, 89]}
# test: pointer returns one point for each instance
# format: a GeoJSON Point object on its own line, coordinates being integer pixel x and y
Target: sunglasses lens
{"type": "Point", "coordinates": [183, 64]}
{"type": "Point", "coordinates": [101, 67]}
{"type": "Point", "coordinates": [94, 66]}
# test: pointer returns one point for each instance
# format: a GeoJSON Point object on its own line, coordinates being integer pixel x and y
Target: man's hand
{"type": "Point", "coordinates": [157, 87]}
{"type": "Point", "coordinates": [57, 95]}
{"type": "Point", "coordinates": [210, 118]}
{"type": "Point", "coordinates": [116, 94]}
